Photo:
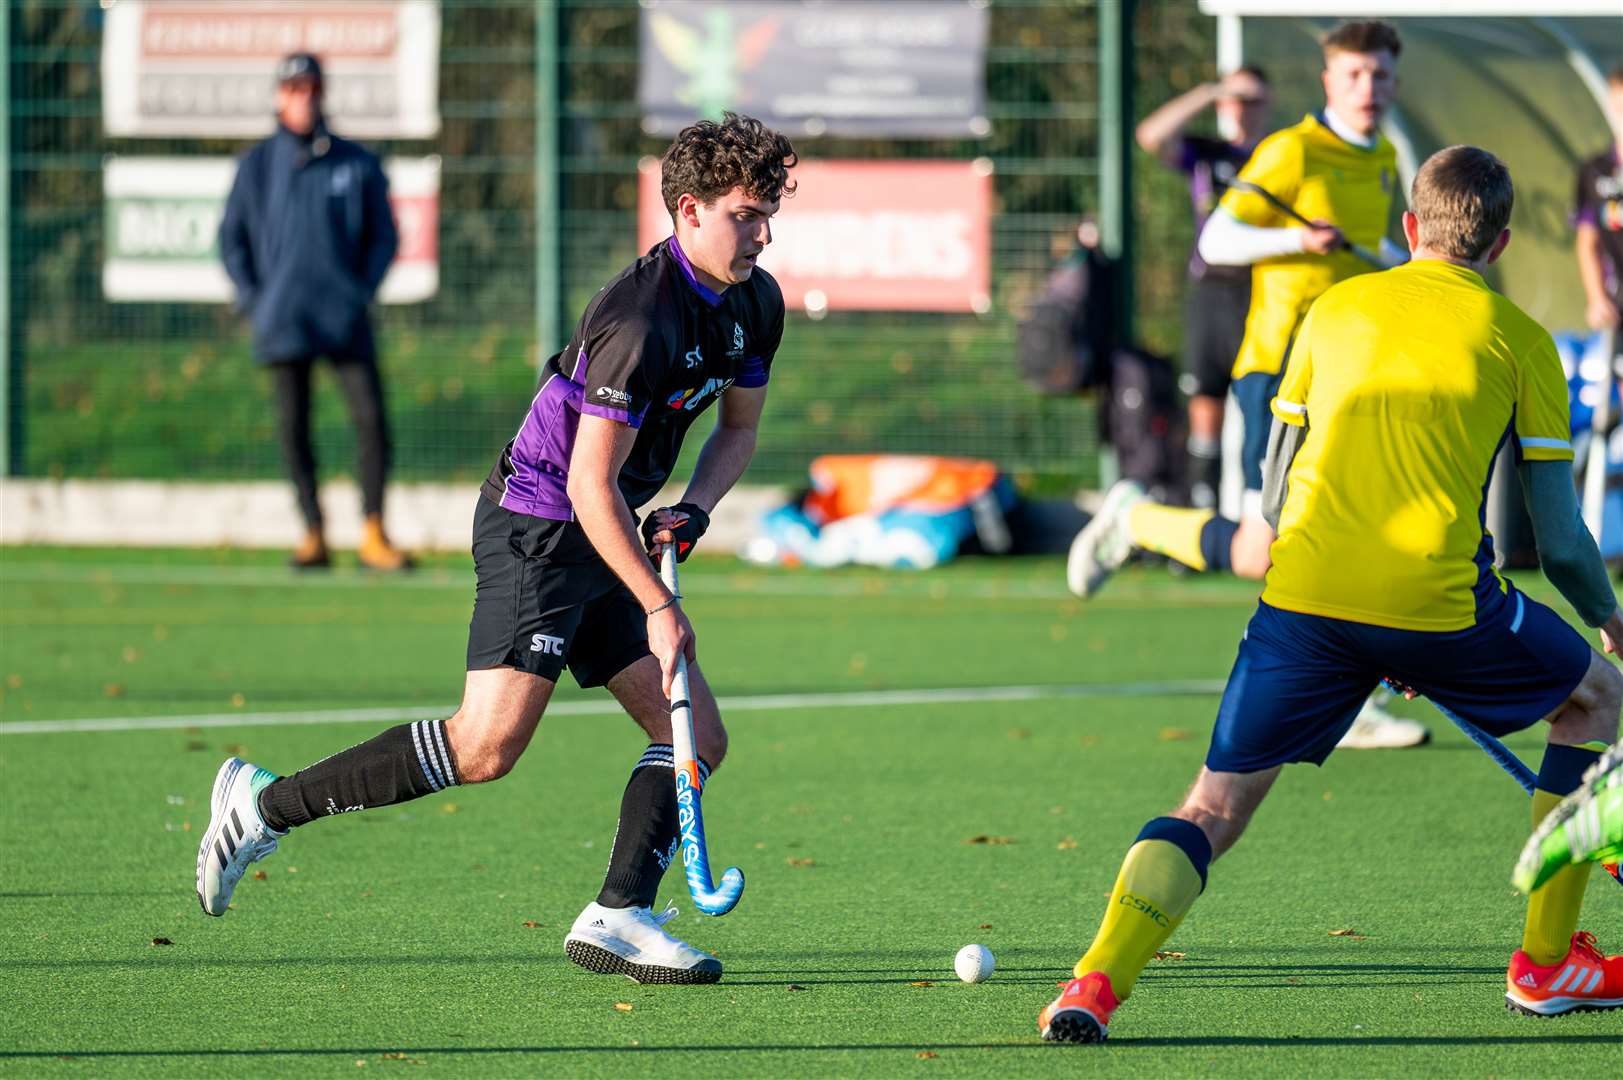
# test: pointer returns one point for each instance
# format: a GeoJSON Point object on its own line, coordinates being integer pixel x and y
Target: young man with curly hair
{"type": "Point", "coordinates": [564, 580]}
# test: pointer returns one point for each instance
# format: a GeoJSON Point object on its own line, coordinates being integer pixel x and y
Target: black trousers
{"type": "Point", "coordinates": [363, 391]}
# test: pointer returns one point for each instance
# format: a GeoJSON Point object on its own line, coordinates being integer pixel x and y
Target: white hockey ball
{"type": "Point", "coordinates": [974, 963]}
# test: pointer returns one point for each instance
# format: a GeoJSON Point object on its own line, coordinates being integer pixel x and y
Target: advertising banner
{"type": "Point", "coordinates": [870, 235]}
{"type": "Point", "coordinates": [902, 68]}
{"type": "Point", "coordinates": [206, 68]}
{"type": "Point", "coordinates": [163, 219]}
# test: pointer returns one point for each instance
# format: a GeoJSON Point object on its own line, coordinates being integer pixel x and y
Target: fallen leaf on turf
{"type": "Point", "coordinates": [1067, 844]}
{"type": "Point", "coordinates": [984, 839]}
{"type": "Point", "coordinates": [162, 941]}
{"type": "Point", "coordinates": [1167, 954]}
{"type": "Point", "coordinates": [113, 689]}
{"type": "Point", "coordinates": [293, 869]}
{"type": "Point", "coordinates": [14, 681]}
{"type": "Point", "coordinates": [1347, 933]}
{"type": "Point", "coordinates": [360, 1063]}
{"type": "Point", "coordinates": [922, 982]}
{"type": "Point", "coordinates": [131, 654]}
{"type": "Point", "coordinates": [185, 826]}
{"type": "Point", "coordinates": [799, 863]}
{"type": "Point", "coordinates": [1174, 734]}
{"type": "Point", "coordinates": [926, 1055]}
{"type": "Point", "coordinates": [984, 926]}
{"type": "Point", "coordinates": [394, 1055]}
{"type": "Point", "coordinates": [530, 924]}
{"type": "Point", "coordinates": [623, 1006]}
{"type": "Point", "coordinates": [1019, 733]}
{"type": "Point", "coordinates": [796, 986]}
{"type": "Point", "coordinates": [196, 744]}
{"type": "Point", "coordinates": [260, 875]}
{"type": "Point", "coordinates": [449, 808]}
{"type": "Point", "coordinates": [234, 749]}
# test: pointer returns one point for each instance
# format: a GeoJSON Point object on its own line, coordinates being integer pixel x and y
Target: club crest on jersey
{"type": "Point", "coordinates": [738, 342]}
{"type": "Point", "coordinates": [694, 359]}
{"type": "Point", "coordinates": [696, 397]}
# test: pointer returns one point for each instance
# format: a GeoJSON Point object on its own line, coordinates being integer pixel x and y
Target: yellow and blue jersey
{"type": "Point", "coordinates": [1408, 381]}
{"type": "Point", "coordinates": [1324, 178]}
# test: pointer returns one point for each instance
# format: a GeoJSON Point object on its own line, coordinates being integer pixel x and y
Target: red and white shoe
{"type": "Point", "coordinates": [1587, 980]}
{"type": "Point", "coordinates": [1081, 1014]}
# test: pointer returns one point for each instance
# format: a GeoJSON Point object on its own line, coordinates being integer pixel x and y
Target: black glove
{"type": "Point", "coordinates": [690, 525]}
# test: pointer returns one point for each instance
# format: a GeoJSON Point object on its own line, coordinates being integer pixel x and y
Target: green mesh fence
{"type": "Point", "coordinates": [169, 390]}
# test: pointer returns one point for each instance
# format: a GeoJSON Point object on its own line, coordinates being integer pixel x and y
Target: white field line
{"type": "Point", "coordinates": [743, 581]}
{"type": "Point", "coordinates": [745, 703]}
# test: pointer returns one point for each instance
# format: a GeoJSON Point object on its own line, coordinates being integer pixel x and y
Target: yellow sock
{"type": "Point", "coordinates": [1155, 889]}
{"type": "Point", "coordinates": [1552, 910]}
{"type": "Point", "coordinates": [1173, 531]}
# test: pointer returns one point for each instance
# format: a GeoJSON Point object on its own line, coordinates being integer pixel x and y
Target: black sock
{"type": "Point", "coordinates": [646, 839]}
{"type": "Point", "coordinates": [1216, 539]}
{"type": "Point", "coordinates": [403, 763]}
{"type": "Point", "coordinates": [1205, 471]}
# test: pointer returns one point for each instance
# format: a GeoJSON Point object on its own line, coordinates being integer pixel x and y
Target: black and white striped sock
{"type": "Point", "coordinates": [404, 763]}
{"type": "Point", "coordinates": [645, 840]}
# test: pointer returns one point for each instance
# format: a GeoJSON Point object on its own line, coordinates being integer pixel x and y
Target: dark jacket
{"type": "Point", "coordinates": [307, 236]}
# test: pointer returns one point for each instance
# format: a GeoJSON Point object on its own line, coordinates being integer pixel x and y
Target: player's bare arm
{"type": "Point", "coordinates": [1600, 311]}
{"type": "Point", "coordinates": [601, 449]}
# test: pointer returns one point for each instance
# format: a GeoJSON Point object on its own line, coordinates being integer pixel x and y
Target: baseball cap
{"type": "Point", "coordinates": [300, 65]}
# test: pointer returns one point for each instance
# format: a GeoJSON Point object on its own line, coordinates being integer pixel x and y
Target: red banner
{"type": "Point", "coordinates": [870, 235]}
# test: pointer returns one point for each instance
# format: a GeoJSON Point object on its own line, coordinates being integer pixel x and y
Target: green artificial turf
{"type": "Point", "coordinates": [425, 939]}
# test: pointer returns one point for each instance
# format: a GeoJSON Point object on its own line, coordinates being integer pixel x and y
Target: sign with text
{"type": "Point", "coordinates": [163, 220]}
{"type": "Point", "coordinates": [206, 68]}
{"type": "Point", "coordinates": [870, 68]}
{"type": "Point", "coordinates": [869, 235]}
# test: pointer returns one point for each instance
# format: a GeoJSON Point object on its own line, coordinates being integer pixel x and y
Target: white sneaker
{"type": "Point", "coordinates": [1376, 729]}
{"type": "Point", "coordinates": [1104, 543]}
{"type": "Point", "coordinates": [633, 942]}
{"type": "Point", "coordinates": [236, 837]}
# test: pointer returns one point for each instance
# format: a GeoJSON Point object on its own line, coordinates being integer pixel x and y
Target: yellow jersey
{"type": "Point", "coordinates": [1324, 178]}
{"type": "Point", "coordinates": [1408, 381]}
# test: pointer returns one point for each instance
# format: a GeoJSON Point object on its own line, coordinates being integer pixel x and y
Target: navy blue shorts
{"type": "Point", "coordinates": [1299, 679]}
{"type": "Point", "coordinates": [1254, 393]}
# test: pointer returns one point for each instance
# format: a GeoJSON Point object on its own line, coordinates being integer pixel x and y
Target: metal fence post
{"type": "Point", "coordinates": [7, 459]}
{"type": "Point", "coordinates": [1115, 148]}
{"type": "Point", "coordinates": [548, 204]}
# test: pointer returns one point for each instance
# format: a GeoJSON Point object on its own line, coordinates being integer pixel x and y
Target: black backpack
{"type": "Point", "coordinates": [1139, 416]}
{"type": "Point", "coordinates": [1063, 344]}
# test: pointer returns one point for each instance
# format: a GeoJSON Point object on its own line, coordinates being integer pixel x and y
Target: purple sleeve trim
{"type": "Point", "coordinates": [1585, 215]}
{"type": "Point", "coordinates": [1188, 155]}
{"type": "Point", "coordinates": [620, 416]}
{"type": "Point", "coordinates": [751, 374]}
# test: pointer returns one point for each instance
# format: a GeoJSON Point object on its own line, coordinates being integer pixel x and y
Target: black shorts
{"type": "Point", "coordinates": [546, 600]}
{"type": "Point", "coordinates": [1213, 327]}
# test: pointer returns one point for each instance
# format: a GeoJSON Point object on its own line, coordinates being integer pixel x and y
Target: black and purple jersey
{"type": "Point", "coordinates": [654, 349]}
{"type": "Point", "coordinates": [1210, 164]}
{"type": "Point", "coordinates": [1599, 202]}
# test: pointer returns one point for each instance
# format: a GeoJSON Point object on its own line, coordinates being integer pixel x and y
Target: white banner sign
{"type": "Point", "coordinates": [163, 220]}
{"type": "Point", "coordinates": [206, 68]}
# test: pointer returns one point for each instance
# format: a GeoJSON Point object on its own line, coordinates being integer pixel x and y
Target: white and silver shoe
{"type": "Point", "coordinates": [236, 837]}
{"type": "Point", "coordinates": [1104, 542]}
{"type": "Point", "coordinates": [633, 942]}
{"type": "Point", "coordinates": [1376, 729]}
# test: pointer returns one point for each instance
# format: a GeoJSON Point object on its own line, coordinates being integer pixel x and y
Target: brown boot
{"type": "Point", "coordinates": [311, 554]}
{"type": "Point", "coordinates": [375, 552]}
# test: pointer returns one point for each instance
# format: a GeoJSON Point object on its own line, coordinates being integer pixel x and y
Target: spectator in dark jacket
{"type": "Point", "coordinates": [307, 237]}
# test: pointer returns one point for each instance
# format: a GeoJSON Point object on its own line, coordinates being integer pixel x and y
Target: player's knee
{"type": "Point", "coordinates": [712, 744]}
{"type": "Point", "coordinates": [481, 753]}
